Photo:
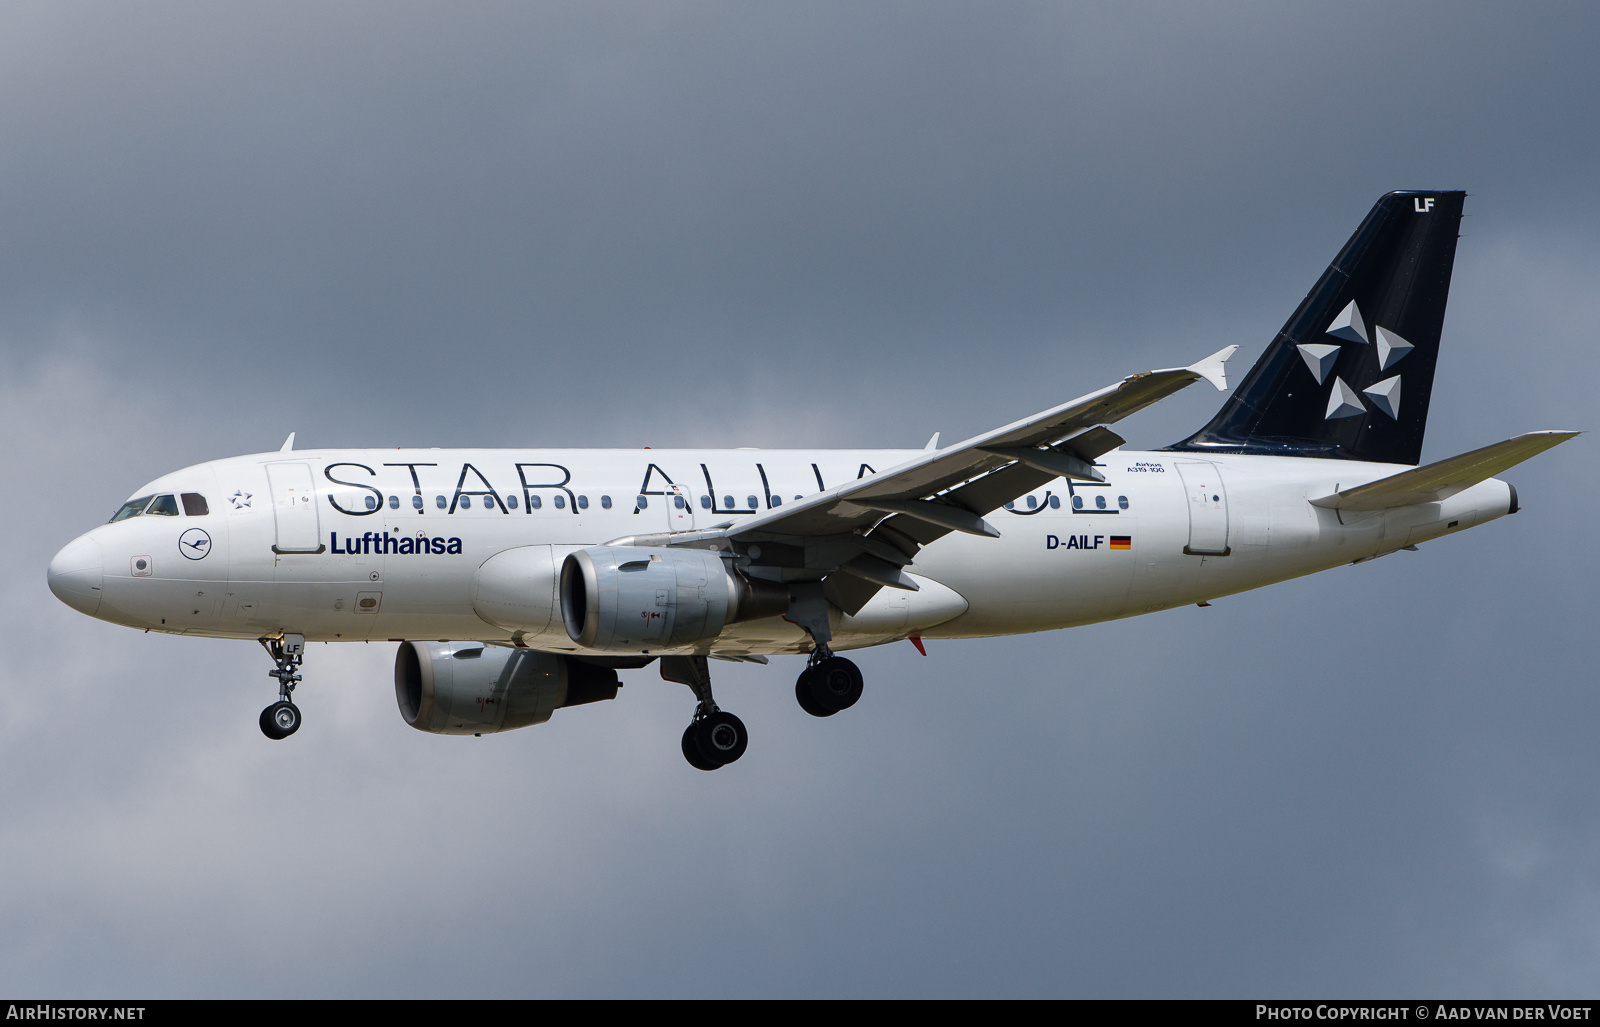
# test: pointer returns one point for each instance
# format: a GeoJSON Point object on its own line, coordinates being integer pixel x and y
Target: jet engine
{"type": "Point", "coordinates": [466, 688]}
{"type": "Point", "coordinates": [627, 599]}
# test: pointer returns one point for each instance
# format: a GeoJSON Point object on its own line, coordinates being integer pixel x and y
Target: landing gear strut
{"type": "Point", "coordinates": [282, 718]}
{"type": "Point", "coordinates": [714, 738]}
{"type": "Point", "coordinates": [829, 683]}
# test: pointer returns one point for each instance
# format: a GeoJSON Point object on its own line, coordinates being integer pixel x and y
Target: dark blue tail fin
{"type": "Point", "coordinates": [1350, 374]}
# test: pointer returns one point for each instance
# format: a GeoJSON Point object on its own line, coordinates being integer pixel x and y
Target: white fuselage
{"type": "Point", "coordinates": [392, 544]}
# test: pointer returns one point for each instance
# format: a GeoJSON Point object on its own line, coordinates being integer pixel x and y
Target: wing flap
{"type": "Point", "coordinates": [1433, 482]}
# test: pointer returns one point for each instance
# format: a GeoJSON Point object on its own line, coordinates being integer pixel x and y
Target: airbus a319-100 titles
{"type": "Point", "coordinates": [548, 571]}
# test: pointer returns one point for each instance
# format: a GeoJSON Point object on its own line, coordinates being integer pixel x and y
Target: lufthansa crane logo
{"type": "Point", "coordinates": [194, 543]}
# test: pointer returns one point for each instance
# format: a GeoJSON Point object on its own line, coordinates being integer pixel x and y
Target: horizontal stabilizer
{"type": "Point", "coordinates": [1433, 482]}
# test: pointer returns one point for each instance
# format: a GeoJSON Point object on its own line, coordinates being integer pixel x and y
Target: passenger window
{"type": "Point", "coordinates": [642, 502]}
{"type": "Point", "coordinates": [166, 506]}
{"type": "Point", "coordinates": [705, 502]}
{"type": "Point", "coordinates": [1077, 502]}
{"type": "Point", "coordinates": [1032, 502]}
{"type": "Point", "coordinates": [561, 502]}
{"type": "Point", "coordinates": [727, 502]}
{"type": "Point", "coordinates": [605, 502]}
{"type": "Point", "coordinates": [439, 502]}
{"type": "Point", "coordinates": [372, 503]}
{"type": "Point", "coordinates": [416, 501]}
{"type": "Point", "coordinates": [394, 502]}
{"type": "Point", "coordinates": [677, 501]}
{"type": "Point", "coordinates": [511, 502]}
{"type": "Point", "coordinates": [1122, 501]}
{"type": "Point", "coordinates": [777, 500]}
{"type": "Point", "coordinates": [132, 508]}
{"type": "Point", "coordinates": [1100, 502]}
{"type": "Point", "coordinates": [534, 502]}
{"type": "Point", "coordinates": [750, 501]}
{"type": "Point", "coordinates": [1055, 502]}
{"type": "Point", "coordinates": [466, 502]}
{"type": "Point", "coordinates": [194, 504]}
{"type": "Point", "coordinates": [1011, 506]}
{"type": "Point", "coordinates": [583, 502]}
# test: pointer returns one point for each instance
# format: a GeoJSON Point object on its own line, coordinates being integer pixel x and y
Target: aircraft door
{"type": "Point", "coordinates": [294, 506]}
{"type": "Point", "coordinates": [1208, 507]}
{"type": "Point", "coordinates": [680, 508]}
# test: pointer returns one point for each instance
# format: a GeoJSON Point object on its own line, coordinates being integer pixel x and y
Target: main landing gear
{"type": "Point", "coordinates": [828, 684]}
{"type": "Point", "coordinates": [282, 718]}
{"type": "Point", "coordinates": [714, 738]}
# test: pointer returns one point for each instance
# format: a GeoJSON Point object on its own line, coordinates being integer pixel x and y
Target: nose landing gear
{"type": "Point", "coordinates": [282, 718]}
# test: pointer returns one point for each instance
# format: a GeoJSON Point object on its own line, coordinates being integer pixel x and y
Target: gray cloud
{"type": "Point", "coordinates": [812, 225]}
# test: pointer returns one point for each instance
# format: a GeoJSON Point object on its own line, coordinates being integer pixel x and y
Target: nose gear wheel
{"type": "Point", "coordinates": [280, 720]}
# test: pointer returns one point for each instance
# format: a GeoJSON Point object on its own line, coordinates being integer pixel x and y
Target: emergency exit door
{"type": "Point", "coordinates": [680, 508]}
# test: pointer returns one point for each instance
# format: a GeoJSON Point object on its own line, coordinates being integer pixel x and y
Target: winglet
{"type": "Point", "coordinates": [288, 444]}
{"type": "Point", "coordinates": [933, 443]}
{"type": "Point", "coordinates": [1212, 369]}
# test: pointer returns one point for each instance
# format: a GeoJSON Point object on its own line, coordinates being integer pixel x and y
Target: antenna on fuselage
{"type": "Point", "coordinates": [288, 444]}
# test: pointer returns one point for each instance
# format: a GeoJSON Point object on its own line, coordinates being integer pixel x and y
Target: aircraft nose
{"type": "Point", "coordinates": [75, 575]}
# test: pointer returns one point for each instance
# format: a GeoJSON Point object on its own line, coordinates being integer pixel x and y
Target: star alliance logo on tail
{"type": "Point", "coordinates": [1320, 357]}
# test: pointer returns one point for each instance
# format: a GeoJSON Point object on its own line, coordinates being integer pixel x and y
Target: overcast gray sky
{"type": "Point", "coordinates": [798, 224]}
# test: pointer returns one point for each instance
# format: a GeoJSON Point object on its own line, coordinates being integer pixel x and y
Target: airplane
{"type": "Point", "coordinates": [518, 582]}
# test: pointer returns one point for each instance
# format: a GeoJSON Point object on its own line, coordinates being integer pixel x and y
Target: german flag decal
{"type": "Point", "coordinates": [1121, 541]}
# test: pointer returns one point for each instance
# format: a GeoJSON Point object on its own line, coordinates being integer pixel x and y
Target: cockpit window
{"type": "Point", "coordinates": [132, 508]}
{"type": "Point", "coordinates": [194, 504]}
{"type": "Point", "coordinates": [166, 506]}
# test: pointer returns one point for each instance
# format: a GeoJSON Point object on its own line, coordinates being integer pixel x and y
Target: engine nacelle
{"type": "Point", "coordinates": [630, 599]}
{"type": "Point", "coordinates": [515, 589]}
{"type": "Point", "coordinates": [465, 688]}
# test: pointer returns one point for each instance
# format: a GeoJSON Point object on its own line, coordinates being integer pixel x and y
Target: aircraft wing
{"type": "Point", "coordinates": [872, 527]}
{"type": "Point", "coordinates": [1437, 481]}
